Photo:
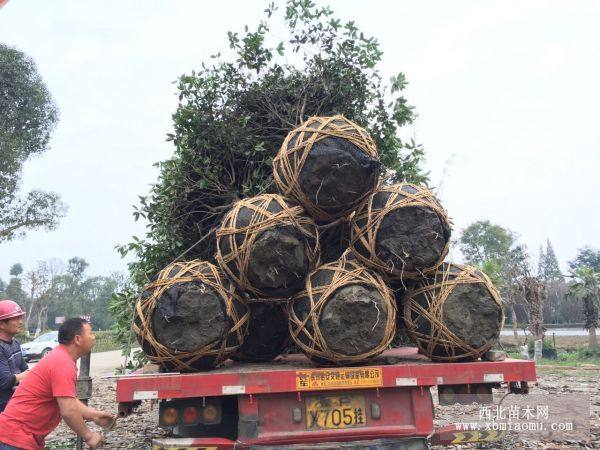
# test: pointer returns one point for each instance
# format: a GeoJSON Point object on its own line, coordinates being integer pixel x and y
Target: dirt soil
{"type": "Point", "coordinates": [137, 430]}
{"type": "Point", "coordinates": [337, 174]}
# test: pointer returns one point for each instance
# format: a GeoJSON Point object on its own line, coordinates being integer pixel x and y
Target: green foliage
{"type": "Point", "coordinates": [14, 291]}
{"type": "Point", "coordinates": [586, 352]}
{"type": "Point", "coordinates": [493, 249]}
{"type": "Point", "coordinates": [51, 289]}
{"type": "Point", "coordinates": [484, 241]}
{"type": "Point", "coordinates": [548, 267]}
{"type": "Point", "coordinates": [586, 257]}
{"type": "Point", "coordinates": [105, 341]}
{"type": "Point", "coordinates": [16, 270]}
{"type": "Point", "coordinates": [234, 114]}
{"type": "Point", "coordinates": [27, 117]}
{"type": "Point", "coordinates": [73, 294]}
{"type": "Point", "coordinates": [120, 307]}
{"type": "Point", "coordinates": [493, 269]}
{"type": "Point", "coordinates": [586, 287]}
{"type": "Point", "coordinates": [548, 350]}
{"type": "Point", "coordinates": [578, 356]}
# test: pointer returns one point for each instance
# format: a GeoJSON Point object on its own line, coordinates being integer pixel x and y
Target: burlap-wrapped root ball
{"type": "Point", "coordinates": [455, 314]}
{"type": "Point", "coordinates": [329, 165]}
{"type": "Point", "coordinates": [268, 333]}
{"type": "Point", "coordinates": [345, 315]}
{"type": "Point", "coordinates": [190, 318]}
{"type": "Point", "coordinates": [268, 245]}
{"type": "Point", "coordinates": [401, 230]}
{"type": "Point", "coordinates": [401, 336]}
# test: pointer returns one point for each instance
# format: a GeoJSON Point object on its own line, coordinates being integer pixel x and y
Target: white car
{"type": "Point", "coordinates": [40, 346]}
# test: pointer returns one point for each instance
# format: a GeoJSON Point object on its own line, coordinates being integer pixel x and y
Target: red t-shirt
{"type": "Point", "coordinates": [33, 411]}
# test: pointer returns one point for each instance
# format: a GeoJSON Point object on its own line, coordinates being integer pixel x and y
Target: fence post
{"type": "Point", "coordinates": [84, 387]}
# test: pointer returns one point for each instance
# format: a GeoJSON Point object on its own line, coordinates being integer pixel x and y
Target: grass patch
{"type": "Point", "coordinates": [579, 357]}
{"type": "Point", "coordinates": [105, 342]}
{"type": "Point", "coordinates": [567, 358]}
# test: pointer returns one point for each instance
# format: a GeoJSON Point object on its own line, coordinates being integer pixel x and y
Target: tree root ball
{"type": "Point", "coordinates": [401, 337]}
{"type": "Point", "coordinates": [329, 165]}
{"type": "Point", "coordinates": [401, 230]}
{"type": "Point", "coordinates": [334, 241]}
{"type": "Point", "coordinates": [346, 314]}
{"type": "Point", "coordinates": [190, 318]}
{"type": "Point", "coordinates": [268, 245]}
{"type": "Point", "coordinates": [455, 314]}
{"type": "Point", "coordinates": [268, 333]}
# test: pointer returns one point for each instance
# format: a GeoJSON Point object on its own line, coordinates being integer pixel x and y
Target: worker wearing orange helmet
{"type": "Point", "coordinates": [13, 367]}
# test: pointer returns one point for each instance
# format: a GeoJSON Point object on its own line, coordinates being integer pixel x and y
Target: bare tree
{"type": "Point", "coordinates": [41, 286]}
{"type": "Point", "coordinates": [534, 295]}
{"type": "Point", "coordinates": [36, 283]}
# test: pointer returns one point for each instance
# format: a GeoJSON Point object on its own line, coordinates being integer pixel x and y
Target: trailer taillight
{"type": "Point", "coordinates": [210, 414]}
{"type": "Point", "coordinates": [190, 415]}
{"type": "Point", "coordinates": [190, 412]}
{"type": "Point", "coordinates": [170, 416]}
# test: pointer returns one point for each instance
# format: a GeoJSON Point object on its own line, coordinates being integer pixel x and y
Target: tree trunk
{"type": "Point", "coordinates": [38, 327]}
{"type": "Point", "coordinates": [28, 315]}
{"type": "Point", "coordinates": [593, 340]}
{"type": "Point", "coordinates": [537, 350]}
{"type": "Point", "coordinates": [43, 318]}
{"type": "Point", "coordinates": [513, 318]}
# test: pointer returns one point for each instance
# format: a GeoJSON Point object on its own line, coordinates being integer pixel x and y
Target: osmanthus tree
{"type": "Point", "coordinates": [28, 116]}
{"type": "Point", "coordinates": [234, 114]}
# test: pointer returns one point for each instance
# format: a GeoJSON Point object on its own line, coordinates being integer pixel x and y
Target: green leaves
{"type": "Point", "coordinates": [28, 116]}
{"type": "Point", "coordinates": [483, 241]}
{"type": "Point", "coordinates": [233, 116]}
{"type": "Point", "coordinates": [37, 210]}
{"type": "Point", "coordinates": [586, 287]}
{"type": "Point", "coordinates": [398, 83]}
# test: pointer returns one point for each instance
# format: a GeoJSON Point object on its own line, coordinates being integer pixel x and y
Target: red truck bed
{"type": "Point", "coordinates": [396, 367]}
{"type": "Point", "coordinates": [275, 400]}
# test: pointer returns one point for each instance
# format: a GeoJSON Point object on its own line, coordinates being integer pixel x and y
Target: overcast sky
{"type": "Point", "coordinates": [507, 95]}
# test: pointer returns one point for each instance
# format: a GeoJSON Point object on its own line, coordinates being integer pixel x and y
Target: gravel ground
{"type": "Point", "coordinates": [137, 430]}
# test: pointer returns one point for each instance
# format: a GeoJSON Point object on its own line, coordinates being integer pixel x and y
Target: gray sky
{"type": "Point", "coordinates": [507, 96]}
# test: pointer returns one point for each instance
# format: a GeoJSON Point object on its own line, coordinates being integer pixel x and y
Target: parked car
{"type": "Point", "coordinates": [40, 346]}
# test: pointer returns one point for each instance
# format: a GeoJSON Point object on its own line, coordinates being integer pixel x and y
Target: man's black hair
{"type": "Point", "coordinates": [69, 329]}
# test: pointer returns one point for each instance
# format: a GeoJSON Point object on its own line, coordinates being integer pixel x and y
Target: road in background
{"type": "Point", "coordinates": [102, 364]}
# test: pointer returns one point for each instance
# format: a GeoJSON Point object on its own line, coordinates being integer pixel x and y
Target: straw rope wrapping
{"type": "Point", "coordinates": [210, 276]}
{"type": "Point", "coordinates": [288, 163]}
{"type": "Point", "coordinates": [367, 221]}
{"type": "Point", "coordinates": [345, 272]}
{"type": "Point", "coordinates": [446, 279]}
{"type": "Point", "coordinates": [261, 220]}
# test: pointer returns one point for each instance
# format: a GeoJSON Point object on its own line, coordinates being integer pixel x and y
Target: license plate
{"type": "Point", "coordinates": [335, 412]}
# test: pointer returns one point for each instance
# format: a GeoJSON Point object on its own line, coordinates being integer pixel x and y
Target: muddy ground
{"type": "Point", "coordinates": [137, 430]}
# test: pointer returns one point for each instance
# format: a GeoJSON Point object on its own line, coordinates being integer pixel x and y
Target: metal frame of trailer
{"type": "Point", "coordinates": [290, 404]}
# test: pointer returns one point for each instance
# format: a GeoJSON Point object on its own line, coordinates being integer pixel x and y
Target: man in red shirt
{"type": "Point", "coordinates": [49, 393]}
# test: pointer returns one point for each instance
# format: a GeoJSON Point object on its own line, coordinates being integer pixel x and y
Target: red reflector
{"type": "Point", "coordinates": [190, 414]}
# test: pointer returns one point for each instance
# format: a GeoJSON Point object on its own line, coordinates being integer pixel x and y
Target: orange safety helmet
{"type": "Point", "coordinates": [10, 309]}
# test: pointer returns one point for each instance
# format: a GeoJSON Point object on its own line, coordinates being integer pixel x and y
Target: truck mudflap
{"type": "Point", "coordinates": [449, 435]}
{"type": "Point", "coordinates": [193, 444]}
{"type": "Point", "coordinates": [225, 444]}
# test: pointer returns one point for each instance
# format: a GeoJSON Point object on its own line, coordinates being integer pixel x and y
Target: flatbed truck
{"type": "Point", "coordinates": [290, 403]}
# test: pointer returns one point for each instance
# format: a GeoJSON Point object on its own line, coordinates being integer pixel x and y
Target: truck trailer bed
{"type": "Point", "coordinates": [295, 373]}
